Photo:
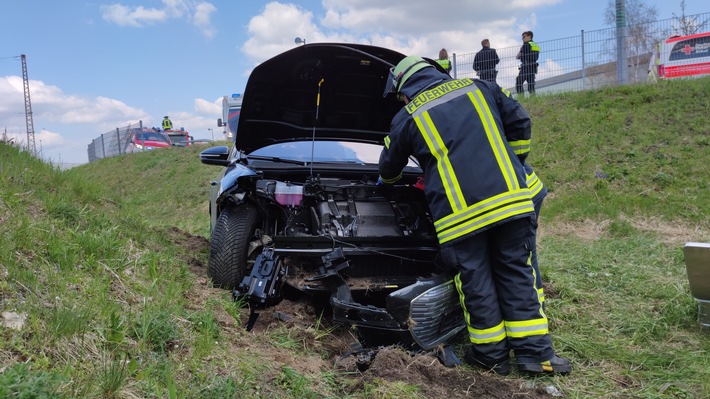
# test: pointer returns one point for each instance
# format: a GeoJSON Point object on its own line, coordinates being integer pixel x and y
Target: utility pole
{"type": "Point", "coordinates": [28, 110]}
{"type": "Point", "coordinates": [622, 74]}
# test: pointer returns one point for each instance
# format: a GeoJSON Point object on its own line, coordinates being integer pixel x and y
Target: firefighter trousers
{"type": "Point", "coordinates": [496, 285]}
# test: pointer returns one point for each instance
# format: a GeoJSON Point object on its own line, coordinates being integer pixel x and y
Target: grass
{"type": "Point", "coordinates": [100, 259]}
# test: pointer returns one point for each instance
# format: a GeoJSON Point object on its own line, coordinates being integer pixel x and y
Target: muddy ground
{"type": "Point", "coordinates": [335, 348]}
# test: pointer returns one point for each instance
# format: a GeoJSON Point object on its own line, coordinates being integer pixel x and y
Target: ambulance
{"type": "Point", "coordinates": [681, 57]}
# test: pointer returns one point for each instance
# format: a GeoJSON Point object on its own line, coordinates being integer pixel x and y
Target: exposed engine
{"type": "Point", "coordinates": [361, 244]}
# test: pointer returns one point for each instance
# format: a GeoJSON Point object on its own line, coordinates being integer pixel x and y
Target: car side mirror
{"type": "Point", "coordinates": [219, 122]}
{"type": "Point", "coordinates": [215, 156]}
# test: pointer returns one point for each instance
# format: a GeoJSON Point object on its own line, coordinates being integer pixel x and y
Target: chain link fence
{"type": "Point", "coordinates": [588, 61]}
{"type": "Point", "coordinates": [113, 143]}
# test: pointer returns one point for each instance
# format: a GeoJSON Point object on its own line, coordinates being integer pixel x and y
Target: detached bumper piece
{"type": "Point", "coordinates": [262, 287]}
{"type": "Point", "coordinates": [426, 313]}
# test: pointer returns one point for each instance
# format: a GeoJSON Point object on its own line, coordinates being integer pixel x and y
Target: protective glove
{"type": "Point", "coordinates": [420, 183]}
{"type": "Point", "coordinates": [379, 183]}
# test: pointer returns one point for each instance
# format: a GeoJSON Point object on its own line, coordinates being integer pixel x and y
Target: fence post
{"type": "Point", "coordinates": [103, 146]}
{"type": "Point", "coordinates": [118, 140]}
{"type": "Point", "coordinates": [621, 57]}
{"type": "Point", "coordinates": [453, 66]}
{"type": "Point", "coordinates": [584, 65]}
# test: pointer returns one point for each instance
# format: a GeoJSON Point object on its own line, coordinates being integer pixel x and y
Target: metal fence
{"type": "Point", "coordinates": [112, 143]}
{"type": "Point", "coordinates": [588, 61]}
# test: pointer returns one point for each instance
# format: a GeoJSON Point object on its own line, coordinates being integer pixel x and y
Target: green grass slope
{"type": "Point", "coordinates": [103, 270]}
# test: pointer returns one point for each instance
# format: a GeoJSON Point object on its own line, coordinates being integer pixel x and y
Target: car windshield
{"type": "Point", "coordinates": [150, 136]}
{"type": "Point", "coordinates": [178, 138]}
{"type": "Point", "coordinates": [325, 151]}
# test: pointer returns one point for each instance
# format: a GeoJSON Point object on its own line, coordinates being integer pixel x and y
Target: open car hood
{"type": "Point", "coordinates": [281, 97]}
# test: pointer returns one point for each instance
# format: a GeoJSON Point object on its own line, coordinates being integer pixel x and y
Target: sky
{"type": "Point", "coordinates": [96, 65]}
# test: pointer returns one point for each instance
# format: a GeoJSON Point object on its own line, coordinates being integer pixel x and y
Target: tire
{"type": "Point", "coordinates": [228, 262]}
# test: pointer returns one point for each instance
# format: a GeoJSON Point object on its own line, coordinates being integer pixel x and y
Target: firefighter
{"type": "Point", "coordinates": [472, 139]}
{"type": "Point", "coordinates": [528, 56]}
{"type": "Point", "coordinates": [167, 123]}
{"type": "Point", "coordinates": [538, 192]}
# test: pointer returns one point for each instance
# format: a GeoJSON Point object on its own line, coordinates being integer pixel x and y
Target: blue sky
{"type": "Point", "coordinates": [96, 65]}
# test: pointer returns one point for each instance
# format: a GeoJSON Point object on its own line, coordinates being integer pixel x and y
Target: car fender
{"type": "Point", "coordinates": [231, 178]}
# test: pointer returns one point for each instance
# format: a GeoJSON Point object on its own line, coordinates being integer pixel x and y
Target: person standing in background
{"type": "Point", "coordinates": [485, 61]}
{"type": "Point", "coordinates": [167, 123]}
{"type": "Point", "coordinates": [528, 55]}
{"type": "Point", "coordinates": [444, 60]}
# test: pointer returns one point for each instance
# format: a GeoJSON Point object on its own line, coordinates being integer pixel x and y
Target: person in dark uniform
{"type": "Point", "coordinates": [485, 61]}
{"type": "Point", "coordinates": [528, 56]}
{"type": "Point", "coordinates": [471, 139]}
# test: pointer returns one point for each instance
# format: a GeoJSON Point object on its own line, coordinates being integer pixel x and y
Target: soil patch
{"type": "Point", "coordinates": [332, 347]}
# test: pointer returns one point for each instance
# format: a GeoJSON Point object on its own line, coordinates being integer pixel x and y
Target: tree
{"type": "Point", "coordinates": [687, 25]}
{"type": "Point", "coordinates": [640, 35]}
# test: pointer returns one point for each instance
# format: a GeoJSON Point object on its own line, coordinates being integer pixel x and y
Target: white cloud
{"type": "Point", "coordinates": [124, 16]}
{"type": "Point", "coordinates": [198, 13]}
{"type": "Point", "coordinates": [208, 108]}
{"type": "Point", "coordinates": [49, 138]}
{"type": "Point", "coordinates": [72, 121]}
{"type": "Point", "coordinates": [409, 26]}
{"type": "Point", "coordinates": [202, 18]}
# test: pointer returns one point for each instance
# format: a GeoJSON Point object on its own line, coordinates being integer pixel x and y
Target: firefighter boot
{"type": "Point", "coordinates": [556, 365]}
{"type": "Point", "coordinates": [500, 367]}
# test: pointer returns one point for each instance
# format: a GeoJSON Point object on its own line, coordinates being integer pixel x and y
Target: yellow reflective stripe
{"type": "Point", "coordinates": [441, 153]}
{"type": "Point", "coordinates": [534, 183]}
{"type": "Point", "coordinates": [485, 220]}
{"type": "Point", "coordinates": [459, 288]}
{"type": "Point", "coordinates": [483, 207]}
{"type": "Point", "coordinates": [520, 146]}
{"type": "Point", "coordinates": [534, 46]}
{"type": "Point", "coordinates": [387, 142]}
{"type": "Point", "coordinates": [392, 180]}
{"type": "Point", "coordinates": [494, 138]}
{"type": "Point", "coordinates": [432, 95]}
{"type": "Point", "coordinates": [540, 290]}
{"type": "Point", "coordinates": [526, 328]}
{"type": "Point", "coordinates": [505, 91]}
{"type": "Point", "coordinates": [488, 335]}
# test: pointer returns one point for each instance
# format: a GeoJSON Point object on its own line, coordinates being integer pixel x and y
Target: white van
{"type": "Point", "coordinates": [681, 56]}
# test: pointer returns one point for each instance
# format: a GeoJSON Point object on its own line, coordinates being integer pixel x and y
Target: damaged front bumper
{"type": "Point", "coordinates": [426, 313]}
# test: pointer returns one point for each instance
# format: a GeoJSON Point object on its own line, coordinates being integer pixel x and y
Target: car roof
{"type": "Point", "coordinates": [281, 96]}
{"type": "Point", "coordinates": [674, 39]}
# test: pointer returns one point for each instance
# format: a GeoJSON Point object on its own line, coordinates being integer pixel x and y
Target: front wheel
{"type": "Point", "coordinates": [235, 230]}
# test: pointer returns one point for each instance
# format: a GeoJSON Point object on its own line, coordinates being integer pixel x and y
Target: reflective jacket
{"type": "Point", "coordinates": [471, 140]}
{"type": "Point", "coordinates": [167, 124]}
{"type": "Point", "coordinates": [445, 63]}
{"type": "Point", "coordinates": [529, 53]}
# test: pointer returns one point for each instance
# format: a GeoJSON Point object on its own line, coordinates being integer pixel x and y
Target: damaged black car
{"type": "Point", "coordinates": [297, 208]}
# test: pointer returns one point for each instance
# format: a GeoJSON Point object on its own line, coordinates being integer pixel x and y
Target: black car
{"type": "Point", "coordinates": [297, 210]}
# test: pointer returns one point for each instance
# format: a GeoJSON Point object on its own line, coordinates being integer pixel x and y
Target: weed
{"type": "Point", "coordinates": [20, 381]}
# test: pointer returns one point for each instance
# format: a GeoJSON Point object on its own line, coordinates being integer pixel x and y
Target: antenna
{"type": "Point", "coordinates": [313, 141]}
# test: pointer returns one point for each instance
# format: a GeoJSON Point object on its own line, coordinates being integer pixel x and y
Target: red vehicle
{"type": "Point", "coordinates": [180, 138]}
{"type": "Point", "coordinates": [144, 139]}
